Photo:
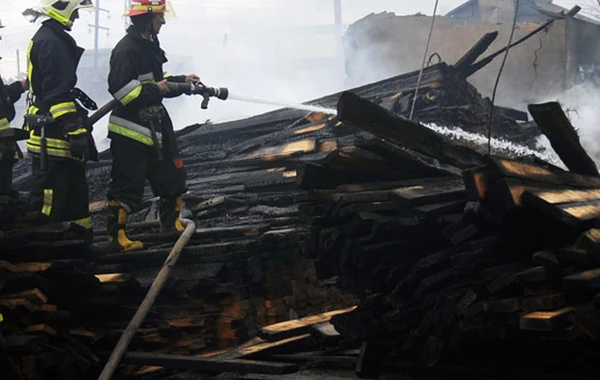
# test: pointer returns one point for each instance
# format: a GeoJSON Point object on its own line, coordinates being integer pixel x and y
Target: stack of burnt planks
{"type": "Point", "coordinates": [508, 252]}
{"type": "Point", "coordinates": [64, 306]}
{"type": "Point", "coordinates": [43, 273]}
{"type": "Point", "coordinates": [228, 282]}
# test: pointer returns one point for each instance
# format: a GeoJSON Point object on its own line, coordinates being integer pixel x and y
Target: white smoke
{"type": "Point", "coordinates": [582, 105]}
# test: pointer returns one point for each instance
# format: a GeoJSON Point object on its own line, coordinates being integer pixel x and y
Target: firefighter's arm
{"type": "Point", "coordinates": [15, 90]}
{"type": "Point", "coordinates": [128, 86]}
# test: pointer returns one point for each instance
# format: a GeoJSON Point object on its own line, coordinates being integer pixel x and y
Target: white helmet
{"type": "Point", "coordinates": [62, 10]}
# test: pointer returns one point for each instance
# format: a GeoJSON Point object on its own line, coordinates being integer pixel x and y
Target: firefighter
{"type": "Point", "coordinates": [9, 94]}
{"type": "Point", "coordinates": [142, 146]}
{"type": "Point", "coordinates": [60, 144]}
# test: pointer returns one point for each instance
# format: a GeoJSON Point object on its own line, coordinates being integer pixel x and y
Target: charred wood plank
{"type": "Point", "coordinates": [546, 320]}
{"type": "Point", "coordinates": [588, 281]}
{"type": "Point", "coordinates": [510, 305]}
{"type": "Point", "coordinates": [464, 63]}
{"type": "Point", "coordinates": [476, 183]}
{"type": "Point", "coordinates": [409, 163]}
{"type": "Point", "coordinates": [260, 346]}
{"type": "Point", "coordinates": [581, 211]}
{"type": "Point", "coordinates": [297, 327]}
{"type": "Point", "coordinates": [312, 176]}
{"type": "Point", "coordinates": [209, 365]}
{"type": "Point", "coordinates": [505, 167]}
{"type": "Point", "coordinates": [440, 209]}
{"type": "Point", "coordinates": [545, 303]}
{"type": "Point", "coordinates": [538, 274]}
{"type": "Point", "coordinates": [382, 123]}
{"type": "Point", "coordinates": [445, 189]}
{"type": "Point", "coordinates": [547, 259]}
{"type": "Point", "coordinates": [587, 323]}
{"type": "Point", "coordinates": [553, 122]}
{"type": "Point", "coordinates": [589, 242]}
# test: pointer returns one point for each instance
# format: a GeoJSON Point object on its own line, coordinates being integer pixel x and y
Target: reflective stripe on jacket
{"type": "Point", "coordinates": [136, 64]}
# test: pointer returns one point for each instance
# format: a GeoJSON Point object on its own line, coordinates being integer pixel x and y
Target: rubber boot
{"type": "Point", "coordinates": [115, 225]}
{"type": "Point", "coordinates": [83, 229]}
{"type": "Point", "coordinates": [170, 208]}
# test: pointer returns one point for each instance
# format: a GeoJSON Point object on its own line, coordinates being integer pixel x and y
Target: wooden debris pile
{"type": "Point", "coordinates": [63, 305]}
{"type": "Point", "coordinates": [271, 195]}
{"type": "Point", "coordinates": [506, 253]}
{"type": "Point", "coordinates": [43, 272]}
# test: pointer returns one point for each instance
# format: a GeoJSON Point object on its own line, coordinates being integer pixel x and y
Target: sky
{"type": "Point", "coordinates": [277, 49]}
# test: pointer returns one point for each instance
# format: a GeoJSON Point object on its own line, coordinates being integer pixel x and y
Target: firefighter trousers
{"type": "Point", "coordinates": [7, 161]}
{"type": "Point", "coordinates": [60, 192]}
{"type": "Point", "coordinates": [132, 164]}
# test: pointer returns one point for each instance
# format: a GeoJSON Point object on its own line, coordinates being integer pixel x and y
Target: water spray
{"type": "Point", "coordinates": [282, 103]}
{"type": "Point", "coordinates": [500, 145]}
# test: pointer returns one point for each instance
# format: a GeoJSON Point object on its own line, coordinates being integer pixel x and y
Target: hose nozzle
{"type": "Point", "coordinates": [199, 89]}
{"type": "Point", "coordinates": [208, 92]}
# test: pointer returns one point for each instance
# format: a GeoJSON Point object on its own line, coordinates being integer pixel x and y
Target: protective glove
{"type": "Point", "coordinates": [79, 139]}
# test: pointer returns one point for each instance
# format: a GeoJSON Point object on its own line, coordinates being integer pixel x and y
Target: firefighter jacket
{"type": "Point", "coordinates": [53, 59]}
{"type": "Point", "coordinates": [9, 94]}
{"type": "Point", "coordinates": [136, 64]}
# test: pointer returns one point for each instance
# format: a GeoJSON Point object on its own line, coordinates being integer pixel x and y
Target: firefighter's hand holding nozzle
{"type": "Point", "coordinates": [192, 78]}
{"type": "Point", "coordinates": [163, 87]}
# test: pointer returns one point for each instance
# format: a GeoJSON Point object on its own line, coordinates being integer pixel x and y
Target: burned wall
{"type": "Point", "coordinates": [383, 45]}
{"type": "Point", "coordinates": [583, 46]}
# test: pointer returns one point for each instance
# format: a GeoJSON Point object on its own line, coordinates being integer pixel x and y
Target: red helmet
{"type": "Point", "coordinates": [140, 7]}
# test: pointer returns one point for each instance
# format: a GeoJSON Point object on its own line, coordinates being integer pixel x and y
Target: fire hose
{"type": "Point", "coordinates": [41, 121]}
{"type": "Point", "coordinates": [190, 227]}
{"type": "Point", "coordinates": [146, 305]}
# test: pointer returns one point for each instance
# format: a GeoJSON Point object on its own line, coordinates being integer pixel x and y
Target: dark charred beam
{"type": "Point", "coordinates": [553, 122]}
{"type": "Point", "coordinates": [382, 123]}
{"type": "Point", "coordinates": [479, 48]}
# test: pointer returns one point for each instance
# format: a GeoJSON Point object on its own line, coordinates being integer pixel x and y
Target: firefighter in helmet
{"type": "Point", "coordinates": [9, 94]}
{"type": "Point", "coordinates": [59, 143]}
{"type": "Point", "coordinates": [143, 147]}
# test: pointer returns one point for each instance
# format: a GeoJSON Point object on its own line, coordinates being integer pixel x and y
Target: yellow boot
{"type": "Point", "coordinates": [115, 224]}
{"type": "Point", "coordinates": [170, 208]}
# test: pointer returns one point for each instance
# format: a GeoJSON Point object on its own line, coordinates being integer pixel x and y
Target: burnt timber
{"type": "Point", "coordinates": [441, 246]}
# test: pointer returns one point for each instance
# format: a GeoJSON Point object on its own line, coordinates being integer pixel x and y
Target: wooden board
{"type": "Point", "coordinates": [505, 167]}
{"type": "Point", "coordinates": [476, 183]}
{"type": "Point", "coordinates": [555, 124]}
{"type": "Point", "coordinates": [546, 320]}
{"type": "Point", "coordinates": [587, 281]}
{"type": "Point", "coordinates": [35, 296]}
{"type": "Point", "coordinates": [297, 327]}
{"type": "Point", "coordinates": [442, 191]}
{"type": "Point", "coordinates": [261, 346]}
{"type": "Point", "coordinates": [24, 267]}
{"type": "Point", "coordinates": [580, 214]}
{"type": "Point", "coordinates": [589, 242]}
{"type": "Point", "coordinates": [208, 364]}
{"type": "Point", "coordinates": [545, 303]}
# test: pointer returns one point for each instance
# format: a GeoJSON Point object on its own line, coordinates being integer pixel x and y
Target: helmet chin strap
{"type": "Point", "coordinates": [153, 32]}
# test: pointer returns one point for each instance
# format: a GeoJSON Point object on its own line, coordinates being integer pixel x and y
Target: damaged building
{"type": "Point", "coordinates": [565, 54]}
